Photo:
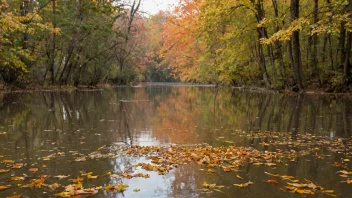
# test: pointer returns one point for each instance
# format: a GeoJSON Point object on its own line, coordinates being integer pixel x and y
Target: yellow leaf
{"type": "Point", "coordinates": [109, 188]}
{"type": "Point", "coordinates": [79, 186]}
{"type": "Point", "coordinates": [120, 188]}
{"type": "Point", "coordinates": [136, 190]}
{"type": "Point", "coordinates": [244, 184]}
{"type": "Point", "coordinates": [79, 179]}
{"type": "Point", "coordinates": [63, 194]}
{"type": "Point", "coordinates": [8, 161]}
{"type": "Point", "coordinates": [15, 178]}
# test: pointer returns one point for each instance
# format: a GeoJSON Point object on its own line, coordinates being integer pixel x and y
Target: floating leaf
{"type": "Point", "coordinates": [79, 179]}
{"type": "Point", "coordinates": [272, 181]}
{"type": "Point", "coordinates": [8, 161]}
{"type": "Point", "coordinates": [61, 176]}
{"type": "Point", "coordinates": [15, 178]}
{"type": "Point", "coordinates": [54, 186]}
{"type": "Point", "coordinates": [244, 184]}
{"type": "Point", "coordinates": [348, 181]}
{"type": "Point", "coordinates": [239, 177]}
{"type": "Point", "coordinates": [14, 196]}
{"type": "Point", "coordinates": [92, 176]}
{"type": "Point", "coordinates": [33, 169]}
{"type": "Point", "coordinates": [17, 166]}
{"type": "Point", "coordinates": [5, 187]}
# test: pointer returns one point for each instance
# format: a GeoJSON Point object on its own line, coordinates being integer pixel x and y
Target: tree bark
{"type": "Point", "coordinates": [262, 34]}
{"type": "Point", "coordinates": [296, 51]}
{"type": "Point", "coordinates": [347, 65]}
{"type": "Point", "coordinates": [24, 11]}
{"type": "Point", "coordinates": [278, 45]}
{"type": "Point", "coordinates": [342, 42]}
{"type": "Point", "coordinates": [52, 64]}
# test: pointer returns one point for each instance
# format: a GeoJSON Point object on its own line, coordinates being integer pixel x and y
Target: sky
{"type": "Point", "coordinates": [153, 6]}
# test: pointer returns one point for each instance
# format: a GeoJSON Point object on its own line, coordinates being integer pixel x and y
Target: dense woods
{"type": "Point", "coordinates": [279, 44]}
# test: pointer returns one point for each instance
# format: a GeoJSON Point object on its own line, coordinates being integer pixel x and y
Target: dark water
{"type": "Point", "coordinates": [35, 125]}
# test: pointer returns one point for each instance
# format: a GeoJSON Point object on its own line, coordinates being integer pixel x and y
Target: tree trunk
{"type": "Point", "coordinates": [296, 51]}
{"type": "Point", "coordinates": [347, 65]}
{"type": "Point", "coordinates": [52, 64]}
{"type": "Point", "coordinates": [342, 42]}
{"type": "Point", "coordinates": [278, 45]}
{"type": "Point", "coordinates": [314, 39]}
{"type": "Point", "coordinates": [314, 63]}
{"type": "Point", "coordinates": [262, 34]}
{"type": "Point", "coordinates": [24, 11]}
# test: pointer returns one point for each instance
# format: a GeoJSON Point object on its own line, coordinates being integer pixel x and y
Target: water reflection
{"type": "Point", "coordinates": [38, 124]}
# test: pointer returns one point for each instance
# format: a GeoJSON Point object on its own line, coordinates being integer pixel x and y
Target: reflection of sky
{"type": "Point", "coordinates": [153, 6]}
{"type": "Point", "coordinates": [155, 186]}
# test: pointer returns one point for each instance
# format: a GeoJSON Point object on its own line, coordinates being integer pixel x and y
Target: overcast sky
{"type": "Point", "coordinates": [153, 6]}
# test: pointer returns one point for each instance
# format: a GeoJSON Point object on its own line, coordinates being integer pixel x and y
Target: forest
{"type": "Point", "coordinates": [277, 44]}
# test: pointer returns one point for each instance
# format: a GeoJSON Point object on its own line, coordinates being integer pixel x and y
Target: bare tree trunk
{"type": "Point", "coordinates": [314, 39]}
{"type": "Point", "coordinates": [69, 54]}
{"type": "Point", "coordinates": [347, 65]}
{"type": "Point", "coordinates": [262, 34]}
{"type": "Point", "coordinates": [51, 54]}
{"type": "Point", "coordinates": [296, 51]}
{"type": "Point", "coordinates": [314, 52]}
{"type": "Point", "coordinates": [124, 54]}
{"type": "Point", "coordinates": [24, 11]}
{"type": "Point", "coordinates": [342, 42]}
{"type": "Point", "coordinates": [52, 64]}
{"type": "Point", "coordinates": [278, 45]}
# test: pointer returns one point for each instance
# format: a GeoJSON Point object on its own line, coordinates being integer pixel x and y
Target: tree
{"type": "Point", "coordinates": [295, 45]}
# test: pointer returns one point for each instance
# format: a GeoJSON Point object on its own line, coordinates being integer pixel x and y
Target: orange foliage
{"type": "Point", "coordinates": [181, 48]}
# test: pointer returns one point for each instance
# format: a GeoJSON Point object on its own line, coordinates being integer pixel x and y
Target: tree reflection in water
{"type": "Point", "coordinates": [40, 123]}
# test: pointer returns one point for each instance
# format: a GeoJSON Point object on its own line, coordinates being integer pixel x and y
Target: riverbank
{"type": "Point", "coordinates": [35, 88]}
{"type": "Point", "coordinates": [287, 91]}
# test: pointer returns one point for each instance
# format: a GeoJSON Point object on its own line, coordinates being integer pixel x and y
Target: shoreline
{"type": "Point", "coordinates": [39, 88]}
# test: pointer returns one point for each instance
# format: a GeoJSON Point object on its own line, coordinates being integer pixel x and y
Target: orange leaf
{"type": "Point", "coordinates": [5, 187]}
{"type": "Point", "coordinates": [272, 181]}
{"type": "Point", "coordinates": [33, 169]}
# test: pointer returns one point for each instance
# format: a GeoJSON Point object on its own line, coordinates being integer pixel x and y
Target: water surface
{"type": "Point", "coordinates": [36, 125]}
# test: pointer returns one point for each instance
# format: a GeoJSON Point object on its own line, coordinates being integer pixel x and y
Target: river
{"type": "Point", "coordinates": [71, 124]}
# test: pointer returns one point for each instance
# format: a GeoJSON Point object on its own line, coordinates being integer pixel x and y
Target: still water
{"type": "Point", "coordinates": [36, 125]}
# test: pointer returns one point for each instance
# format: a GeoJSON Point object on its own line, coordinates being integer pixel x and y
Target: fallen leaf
{"type": "Point", "coordinates": [239, 177]}
{"type": "Point", "coordinates": [33, 169]}
{"type": "Point", "coordinates": [15, 178]}
{"type": "Point", "coordinates": [14, 196]}
{"type": "Point", "coordinates": [8, 161]}
{"type": "Point", "coordinates": [79, 179]}
{"type": "Point", "coordinates": [272, 181]}
{"type": "Point", "coordinates": [244, 184]}
{"type": "Point", "coordinates": [54, 186]}
{"type": "Point", "coordinates": [5, 187]}
{"type": "Point", "coordinates": [61, 176]}
{"type": "Point", "coordinates": [17, 166]}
